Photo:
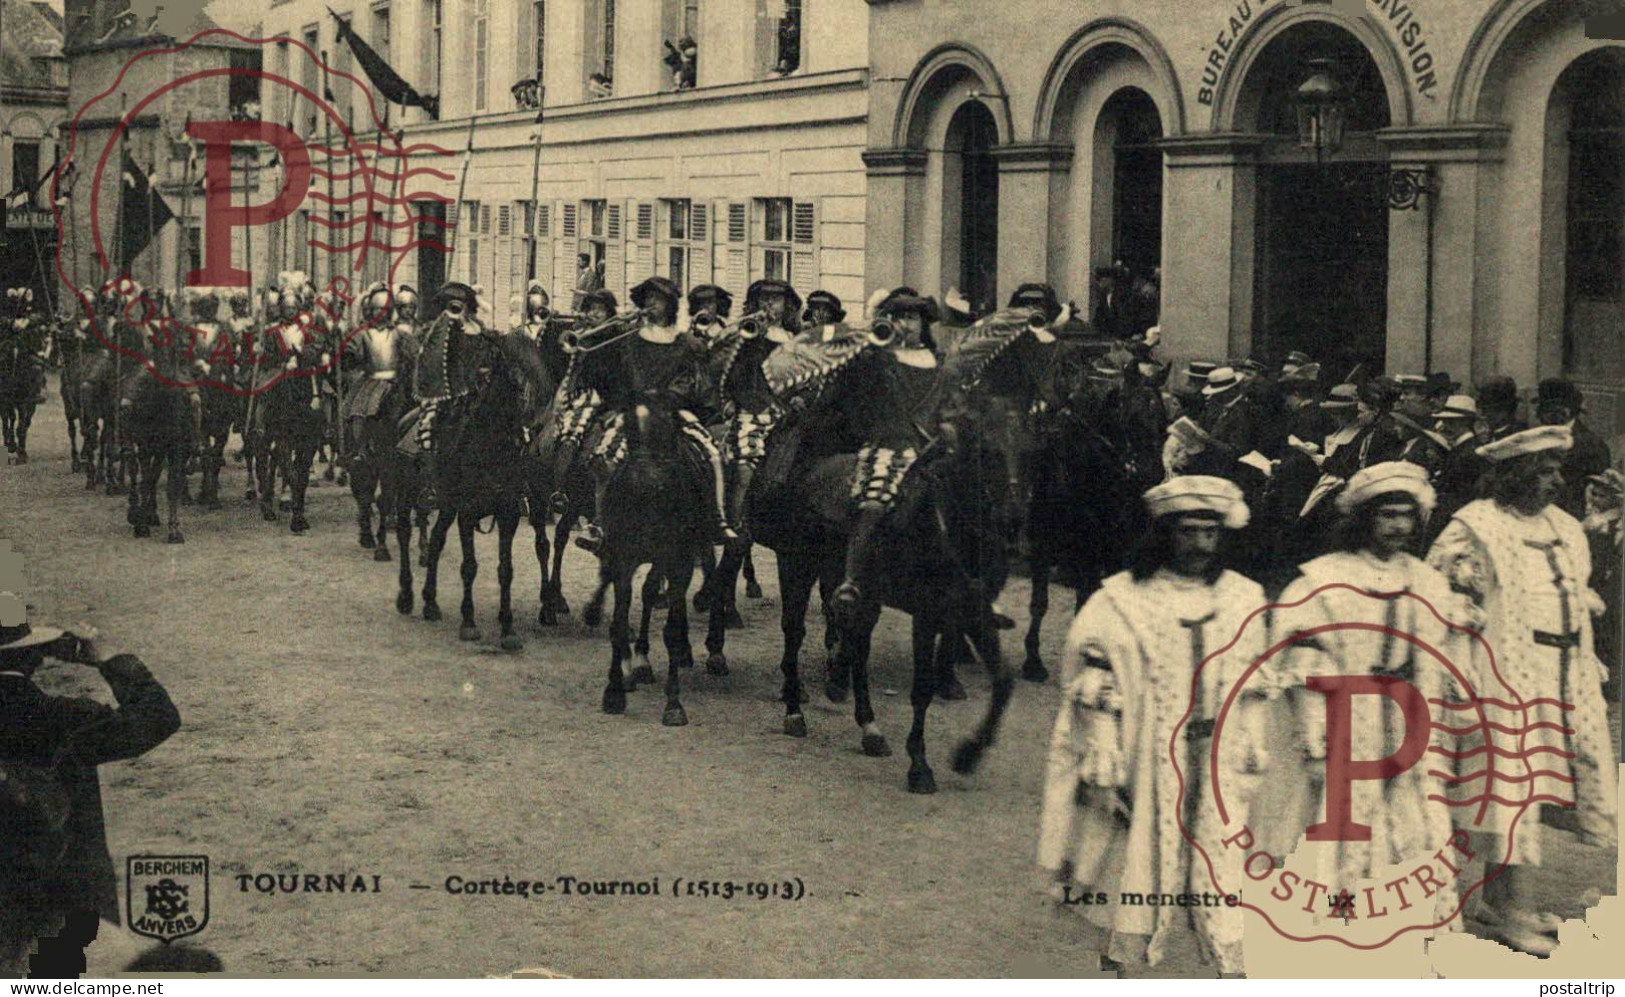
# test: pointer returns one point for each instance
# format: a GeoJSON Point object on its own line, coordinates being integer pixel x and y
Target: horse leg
{"type": "Point", "coordinates": [422, 515]}
{"type": "Point", "coordinates": [303, 457]}
{"type": "Point", "coordinates": [615, 691]}
{"type": "Point", "coordinates": [538, 527]}
{"type": "Point", "coordinates": [837, 670]}
{"type": "Point", "coordinates": [555, 587]}
{"type": "Point", "coordinates": [855, 646]}
{"type": "Point", "coordinates": [362, 487]}
{"type": "Point", "coordinates": [507, 528]}
{"type": "Point", "coordinates": [470, 568]}
{"type": "Point", "coordinates": [705, 595]}
{"type": "Point", "coordinates": [72, 418]}
{"type": "Point", "coordinates": [403, 541]}
{"type": "Point", "coordinates": [795, 588]}
{"type": "Point", "coordinates": [716, 631]}
{"type": "Point", "coordinates": [642, 672]}
{"type": "Point", "coordinates": [679, 572]}
{"type": "Point", "coordinates": [265, 473]}
{"type": "Point", "coordinates": [1032, 669]}
{"type": "Point", "coordinates": [753, 589]}
{"type": "Point", "coordinates": [950, 651]}
{"type": "Point", "coordinates": [174, 460]}
{"type": "Point", "coordinates": [920, 777]}
{"type": "Point", "coordinates": [383, 485]}
{"type": "Point", "coordinates": [431, 574]}
{"type": "Point", "coordinates": [985, 643]}
{"type": "Point", "coordinates": [594, 613]}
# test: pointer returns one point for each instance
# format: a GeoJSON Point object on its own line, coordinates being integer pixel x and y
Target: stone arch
{"type": "Point", "coordinates": [939, 70]}
{"type": "Point", "coordinates": [27, 125]}
{"type": "Point", "coordinates": [1509, 24]}
{"type": "Point", "coordinates": [1271, 24]}
{"type": "Point", "coordinates": [1088, 41]}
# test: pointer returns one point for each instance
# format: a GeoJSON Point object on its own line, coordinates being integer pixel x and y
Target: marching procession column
{"type": "Point", "coordinates": [1436, 177]}
{"type": "Point", "coordinates": [1209, 203]}
{"type": "Point", "coordinates": [894, 204]}
{"type": "Point", "coordinates": [1029, 177]}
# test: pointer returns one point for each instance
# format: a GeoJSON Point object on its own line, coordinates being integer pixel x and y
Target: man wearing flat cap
{"type": "Point", "coordinates": [823, 309]}
{"type": "Point", "coordinates": [756, 411]}
{"type": "Point", "coordinates": [1498, 407]}
{"type": "Point", "coordinates": [1115, 809]}
{"type": "Point", "coordinates": [1526, 563]}
{"type": "Point", "coordinates": [1559, 403]}
{"type": "Point", "coordinates": [1376, 550]}
{"type": "Point", "coordinates": [575, 405]}
{"type": "Point", "coordinates": [459, 352]}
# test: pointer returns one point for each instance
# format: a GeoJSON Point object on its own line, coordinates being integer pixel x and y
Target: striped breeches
{"type": "Point", "coordinates": [880, 474]}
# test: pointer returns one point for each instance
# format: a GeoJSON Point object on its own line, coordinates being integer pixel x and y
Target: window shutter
{"type": "Point", "coordinates": [564, 256]}
{"type": "Point", "coordinates": [699, 233]}
{"type": "Point", "coordinates": [644, 230]}
{"type": "Point", "coordinates": [614, 251]}
{"type": "Point", "coordinates": [736, 276]}
{"type": "Point", "coordinates": [544, 220]}
{"type": "Point", "coordinates": [504, 220]}
{"type": "Point", "coordinates": [804, 245]}
{"type": "Point", "coordinates": [485, 219]}
{"type": "Point", "coordinates": [662, 239]}
{"type": "Point", "coordinates": [635, 274]}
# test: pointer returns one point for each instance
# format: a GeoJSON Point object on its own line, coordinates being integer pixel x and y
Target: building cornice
{"type": "Point", "coordinates": [894, 162]}
{"type": "Point", "coordinates": [1212, 148]}
{"type": "Point", "coordinates": [1469, 142]}
{"type": "Point", "coordinates": [1037, 157]}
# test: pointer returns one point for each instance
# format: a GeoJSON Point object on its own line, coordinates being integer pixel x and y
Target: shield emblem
{"type": "Point", "coordinates": [167, 896]}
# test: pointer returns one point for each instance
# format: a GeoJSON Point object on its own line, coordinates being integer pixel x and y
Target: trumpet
{"type": "Point", "coordinates": [881, 333]}
{"type": "Point", "coordinates": [600, 336]}
{"type": "Point", "coordinates": [752, 325]}
{"type": "Point", "coordinates": [706, 324]}
{"type": "Point", "coordinates": [549, 315]}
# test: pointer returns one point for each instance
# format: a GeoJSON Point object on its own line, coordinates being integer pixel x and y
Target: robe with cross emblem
{"type": "Point", "coordinates": [1116, 810]}
{"type": "Point", "coordinates": [1408, 815]}
{"type": "Point", "coordinates": [1529, 575]}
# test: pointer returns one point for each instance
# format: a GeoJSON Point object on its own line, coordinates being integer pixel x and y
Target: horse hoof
{"type": "Point", "coordinates": [403, 604]}
{"type": "Point", "coordinates": [381, 554]}
{"type": "Point", "coordinates": [950, 688]}
{"type": "Point", "coordinates": [1033, 670]}
{"type": "Point", "coordinates": [175, 537]}
{"type": "Point", "coordinates": [702, 601]}
{"type": "Point", "coordinates": [642, 675]}
{"type": "Point", "coordinates": [133, 516]}
{"type": "Point", "coordinates": [559, 605]}
{"type": "Point", "coordinates": [22, 458]}
{"type": "Point", "coordinates": [684, 660]}
{"type": "Point", "coordinates": [366, 541]}
{"type": "Point", "coordinates": [268, 514]}
{"type": "Point", "coordinates": [299, 525]}
{"type": "Point", "coordinates": [615, 701]}
{"type": "Point", "coordinates": [468, 632]}
{"type": "Point", "coordinates": [967, 757]}
{"type": "Point", "coordinates": [795, 726]}
{"type": "Point", "coordinates": [732, 620]}
{"type": "Point", "coordinates": [675, 716]}
{"type": "Point", "coordinates": [716, 664]}
{"type": "Point", "coordinates": [921, 780]}
{"type": "Point", "coordinates": [875, 746]}
{"type": "Point", "coordinates": [545, 618]}
{"type": "Point", "coordinates": [327, 475]}
{"type": "Point", "coordinates": [343, 479]}
{"type": "Point", "coordinates": [431, 612]}
{"type": "Point", "coordinates": [512, 642]}
{"type": "Point", "coordinates": [143, 530]}
{"type": "Point", "coordinates": [592, 616]}
{"type": "Point", "coordinates": [835, 692]}
{"type": "Point", "coordinates": [753, 590]}
{"type": "Point", "coordinates": [249, 496]}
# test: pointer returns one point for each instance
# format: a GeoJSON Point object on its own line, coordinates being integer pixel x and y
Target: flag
{"type": "Point", "coordinates": [133, 220]}
{"type": "Point", "coordinates": [383, 76]}
{"type": "Point", "coordinates": [65, 180]}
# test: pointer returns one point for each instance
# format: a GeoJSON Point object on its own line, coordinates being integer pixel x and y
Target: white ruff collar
{"type": "Point", "coordinates": [917, 357]}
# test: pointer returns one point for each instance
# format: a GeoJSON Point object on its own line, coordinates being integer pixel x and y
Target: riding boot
{"type": "Point", "coordinates": [563, 461]}
{"type": "Point", "coordinates": [196, 406]}
{"type": "Point", "coordinates": [722, 532]}
{"type": "Point", "coordinates": [592, 535]}
{"type": "Point", "coordinates": [739, 488]}
{"type": "Point", "coordinates": [859, 555]}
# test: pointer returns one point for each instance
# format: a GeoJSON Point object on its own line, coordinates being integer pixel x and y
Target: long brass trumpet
{"type": "Point", "coordinates": [549, 315]}
{"type": "Point", "coordinates": [600, 336]}
{"type": "Point", "coordinates": [881, 333]}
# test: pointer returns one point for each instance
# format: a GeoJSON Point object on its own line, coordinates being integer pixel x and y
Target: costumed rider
{"type": "Point", "coordinates": [655, 367]}
{"type": "Point", "coordinates": [901, 381]}
{"type": "Point", "coordinates": [205, 333]}
{"type": "Point", "coordinates": [577, 404]}
{"type": "Point", "coordinates": [822, 320]}
{"type": "Point", "coordinates": [24, 326]}
{"type": "Point", "coordinates": [745, 388]}
{"type": "Point", "coordinates": [459, 353]}
{"type": "Point", "coordinates": [381, 348]}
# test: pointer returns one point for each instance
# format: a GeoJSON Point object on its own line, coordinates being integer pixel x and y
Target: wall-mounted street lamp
{"type": "Point", "coordinates": [1322, 103]}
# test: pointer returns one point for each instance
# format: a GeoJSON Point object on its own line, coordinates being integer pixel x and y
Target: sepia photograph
{"type": "Point", "coordinates": [861, 489]}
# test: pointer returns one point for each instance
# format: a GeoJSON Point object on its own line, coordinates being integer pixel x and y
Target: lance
{"type": "Point", "coordinates": [535, 181]}
{"type": "Point", "coordinates": [251, 332]}
{"type": "Point", "coordinates": [462, 185]}
{"type": "Point", "coordinates": [119, 235]}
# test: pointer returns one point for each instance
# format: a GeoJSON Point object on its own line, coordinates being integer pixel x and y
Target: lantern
{"type": "Point", "coordinates": [1322, 109]}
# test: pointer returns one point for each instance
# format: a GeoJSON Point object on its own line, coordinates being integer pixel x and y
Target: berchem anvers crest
{"type": "Point", "coordinates": [167, 896]}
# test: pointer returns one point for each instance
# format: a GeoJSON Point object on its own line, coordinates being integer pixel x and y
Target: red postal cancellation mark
{"type": "Point", "coordinates": [370, 196]}
{"type": "Point", "coordinates": [1389, 845]}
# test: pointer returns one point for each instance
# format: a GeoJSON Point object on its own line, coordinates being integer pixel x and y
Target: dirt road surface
{"type": "Point", "coordinates": [325, 734]}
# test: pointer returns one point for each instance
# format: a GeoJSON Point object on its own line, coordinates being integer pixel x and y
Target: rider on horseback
{"type": "Point", "coordinates": [655, 367]}
{"type": "Point", "coordinates": [744, 387]}
{"type": "Point", "coordinates": [578, 404]}
{"type": "Point", "coordinates": [459, 353]}
{"type": "Point", "coordinates": [899, 385]}
{"type": "Point", "coordinates": [204, 336]}
{"type": "Point", "coordinates": [382, 348]}
{"type": "Point", "coordinates": [22, 323]}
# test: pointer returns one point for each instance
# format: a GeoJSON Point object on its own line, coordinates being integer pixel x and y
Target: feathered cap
{"type": "Point", "coordinates": [1394, 476]}
{"type": "Point", "coordinates": [1199, 493]}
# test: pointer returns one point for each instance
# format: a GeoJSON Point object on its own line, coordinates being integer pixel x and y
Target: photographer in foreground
{"type": "Point", "coordinates": [56, 873]}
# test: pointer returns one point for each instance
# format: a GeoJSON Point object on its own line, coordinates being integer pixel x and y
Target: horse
{"type": "Point", "coordinates": [292, 430]}
{"type": "Point", "coordinates": [72, 354]}
{"type": "Point", "coordinates": [371, 479]}
{"type": "Point", "coordinates": [480, 472]}
{"type": "Point", "coordinates": [1097, 455]}
{"type": "Point", "coordinates": [17, 395]}
{"type": "Point", "coordinates": [155, 421]}
{"type": "Point", "coordinates": [654, 513]}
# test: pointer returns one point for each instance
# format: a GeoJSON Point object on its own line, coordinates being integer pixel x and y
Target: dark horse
{"type": "Point", "coordinates": [480, 472]}
{"type": "Point", "coordinates": [293, 426]}
{"type": "Point", "coordinates": [1099, 450]}
{"type": "Point", "coordinates": [155, 421]}
{"type": "Point", "coordinates": [73, 350]}
{"type": "Point", "coordinates": [944, 551]}
{"type": "Point", "coordinates": [654, 514]}
{"type": "Point", "coordinates": [16, 394]}
{"type": "Point", "coordinates": [371, 480]}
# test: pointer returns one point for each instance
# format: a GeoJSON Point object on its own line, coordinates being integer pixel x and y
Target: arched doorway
{"type": "Point", "coordinates": [1321, 264]}
{"type": "Point", "coordinates": [1586, 127]}
{"type": "Point", "coordinates": [970, 252]}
